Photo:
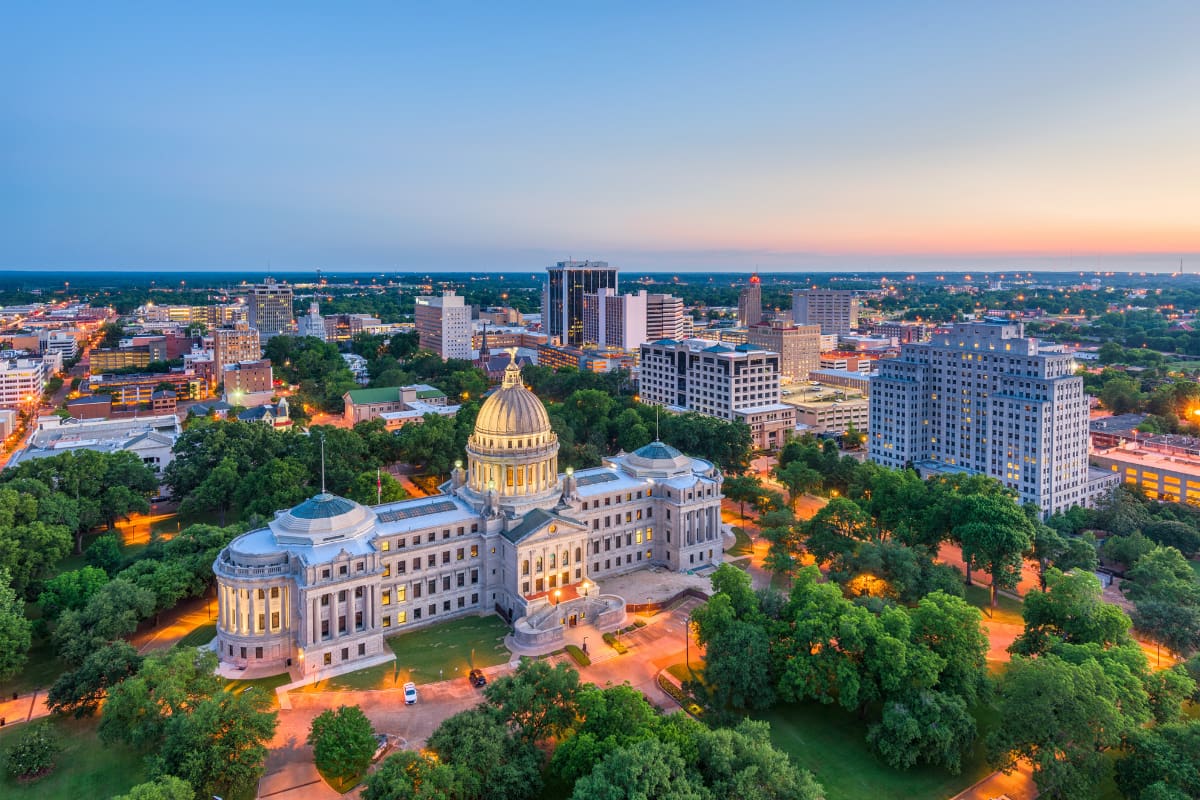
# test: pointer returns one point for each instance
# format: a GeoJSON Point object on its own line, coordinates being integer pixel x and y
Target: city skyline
{"type": "Point", "coordinates": [929, 137]}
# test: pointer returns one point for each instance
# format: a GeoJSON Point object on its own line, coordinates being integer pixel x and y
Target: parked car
{"type": "Point", "coordinates": [410, 693]}
{"type": "Point", "coordinates": [477, 678]}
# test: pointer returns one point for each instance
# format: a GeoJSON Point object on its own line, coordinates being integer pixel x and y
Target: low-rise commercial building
{"type": "Point", "coordinates": [363, 405]}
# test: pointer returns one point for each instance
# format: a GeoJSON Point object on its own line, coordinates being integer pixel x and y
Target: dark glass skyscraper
{"type": "Point", "coordinates": [566, 284]}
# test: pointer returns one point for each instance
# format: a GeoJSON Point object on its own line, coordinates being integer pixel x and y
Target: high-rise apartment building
{"type": "Point", "coordinates": [269, 308]}
{"type": "Point", "coordinates": [562, 305]}
{"type": "Point", "coordinates": [731, 383]}
{"type": "Point", "coordinates": [444, 325]}
{"type": "Point", "coordinates": [982, 398]}
{"type": "Point", "coordinates": [614, 320]}
{"type": "Point", "coordinates": [799, 346]}
{"type": "Point", "coordinates": [233, 344]}
{"type": "Point", "coordinates": [750, 303]}
{"type": "Point", "coordinates": [835, 310]}
{"type": "Point", "coordinates": [664, 317]}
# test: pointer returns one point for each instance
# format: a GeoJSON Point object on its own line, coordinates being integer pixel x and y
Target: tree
{"type": "Point", "coordinates": [1167, 624]}
{"type": "Point", "coordinates": [994, 538]}
{"type": "Point", "coordinates": [952, 629]}
{"type": "Point", "coordinates": [112, 613]}
{"type": "Point", "coordinates": [742, 489]}
{"type": "Point", "coordinates": [1071, 610]}
{"type": "Point", "coordinates": [608, 718]}
{"type": "Point", "coordinates": [1168, 689]}
{"type": "Point", "coordinates": [413, 776]}
{"type": "Point", "coordinates": [798, 479]}
{"type": "Point", "coordinates": [430, 443]}
{"type": "Point", "coordinates": [1060, 717]}
{"type": "Point", "coordinates": [742, 763]}
{"type": "Point", "coordinates": [1120, 395]}
{"type": "Point", "coordinates": [1164, 575]}
{"type": "Point", "coordinates": [32, 756]}
{"type": "Point", "coordinates": [219, 745]}
{"type": "Point", "coordinates": [734, 669]}
{"type": "Point", "coordinates": [343, 742]}
{"type": "Point", "coordinates": [371, 488]}
{"type": "Point", "coordinates": [1161, 764]}
{"type": "Point", "coordinates": [649, 769]}
{"type": "Point", "coordinates": [926, 727]}
{"type": "Point", "coordinates": [70, 591]}
{"type": "Point", "coordinates": [105, 553]}
{"type": "Point", "coordinates": [836, 529]}
{"type": "Point", "coordinates": [488, 760]}
{"type": "Point", "coordinates": [16, 634]}
{"type": "Point", "coordinates": [215, 492]}
{"type": "Point", "coordinates": [537, 701]}
{"type": "Point", "coordinates": [168, 685]}
{"type": "Point", "coordinates": [1126, 550]}
{"type": "Point", "coordinates": [1170, 533]}
{"type": "Point", "coordinates": [80, 691]}
{"type": "Point", "coordinates": [165, 787]}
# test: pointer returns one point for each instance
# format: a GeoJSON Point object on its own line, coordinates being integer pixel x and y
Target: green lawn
{"type": "Point", "coordinates": [200, 636]}
{"type": "Point", "coordinates": [41, 668]}
{"type": "Point", "coordinates": [85, 767]}
{"type": "Point", "coordinates": [1006, 610]}
{"type": "Point", "coordinates": [832, 743]}
{"type": "Point", "coordinates": [445, 651]}
{"type": "Point", "coordinates": [742, 546]}
{"type": "Point", "coordinates": [268, 685]}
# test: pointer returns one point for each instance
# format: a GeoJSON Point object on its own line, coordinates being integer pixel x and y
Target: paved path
{"type": "Point", "coordinates": [1018, 785]}
{"type": "Point", "coordinates": [24, 708]}
{"type": "Point", "coordinates": [176, 623]}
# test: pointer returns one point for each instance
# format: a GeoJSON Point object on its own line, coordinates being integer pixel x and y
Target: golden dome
{"type": "Point", "coordinates": [512, 410]}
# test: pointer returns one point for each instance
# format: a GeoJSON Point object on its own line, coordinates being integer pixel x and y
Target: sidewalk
{"type": "Point", "coordinates": [25, 708]}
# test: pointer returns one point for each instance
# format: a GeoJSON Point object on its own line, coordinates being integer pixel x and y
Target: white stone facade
{"type": "Point", "coordinates": [982, 398]}
{"type": "Point", "coordinates": [325, 582]}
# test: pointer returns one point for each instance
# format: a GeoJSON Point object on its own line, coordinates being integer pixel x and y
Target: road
{"type": "Point", "coordinates": [290, 774]}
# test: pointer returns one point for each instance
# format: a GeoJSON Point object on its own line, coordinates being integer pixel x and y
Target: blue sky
{"type": "Point", "coordinates": [658, 136]}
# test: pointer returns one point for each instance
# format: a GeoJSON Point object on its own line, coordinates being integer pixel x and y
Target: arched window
{"type": "Point", "coordinates": [525, 567]}
{"type": "Point", "coordinates": [552, 561]}
{"type": "Point", "coordinates": [539, 565]}
{"type": "Point", "coordinates": [578, 555]}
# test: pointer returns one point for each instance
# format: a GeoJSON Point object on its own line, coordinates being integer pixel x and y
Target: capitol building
{"type": "Point", "coordinates": [325, 582]}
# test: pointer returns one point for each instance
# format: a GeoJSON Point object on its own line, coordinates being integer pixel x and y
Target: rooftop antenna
{"type": "Point", "coordinates": [656, 436]}
{"type": "Point", "coordinates": [322, 462]}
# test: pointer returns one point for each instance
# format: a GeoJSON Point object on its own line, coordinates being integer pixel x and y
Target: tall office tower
{"type": "Point", "coordinates": [731, 383]}
{"type": "Point", "coordinates": [269, 308]}
{"type": "Point", "coordinates": [233, 344]}
{"type": "Point", "coordinates": [614, 320]}
{"type": "Point", "coordinates": [750, 303]}
{"type": "Point", "coordinates": [799, 346]}
{"type": "Point", "coordinates": [444, 325]}
{"type": "Point", "coordinates": [562, 305]}
{"type": "Point", "coordinates": [664, 317]}
{"type": "Point", "coordinates": [982, 398]}
{"type": "Point", "coordinates": [312, 323]}
{"type": "Point", "coordinates": [835, 310]}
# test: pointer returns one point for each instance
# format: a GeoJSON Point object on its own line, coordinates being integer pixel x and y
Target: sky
{"type": "Point", "coordinates": [657, 136]}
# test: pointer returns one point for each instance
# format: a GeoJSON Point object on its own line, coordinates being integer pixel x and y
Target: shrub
{"type": "Point", "coordinates": [611, 640]}
{"type": "Point", "coordinates": [581, 658]}
{"type": "Point", "coordinates": [33, 754]}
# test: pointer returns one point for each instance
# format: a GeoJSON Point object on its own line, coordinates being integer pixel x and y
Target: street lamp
{"type": "Point", "coordinates": [557, 595]}
{"type": "Point", "coordinates": [585, 645]}
{"type": "Point", "coordinates": [687, 643]}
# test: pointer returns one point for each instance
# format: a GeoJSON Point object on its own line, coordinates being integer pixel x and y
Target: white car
{"type": "Point", "coordinates": [410, 693]}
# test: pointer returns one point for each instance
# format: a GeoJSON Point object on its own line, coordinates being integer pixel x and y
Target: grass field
{"type": "Point", "coordinates": [442, 652]}
{"type": "Point", "coordinates": [832, 744]}
{"type": "Point", "coordinates": [742, 546]}
{"type": "Point", "coordinates": [199, 637]}
{"type": "Point", "coordinates": [85, 767]}
{"type": "Point", "coordinates": [1006, 610]}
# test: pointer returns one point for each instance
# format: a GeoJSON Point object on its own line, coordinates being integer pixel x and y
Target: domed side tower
{"type": "Point", "coordinates": [513, 450]}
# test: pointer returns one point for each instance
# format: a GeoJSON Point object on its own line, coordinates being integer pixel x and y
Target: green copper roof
{"type": "Point", "coordinates": [323, 506]}
{"type": "Point", "coordinates": [657, 450]}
